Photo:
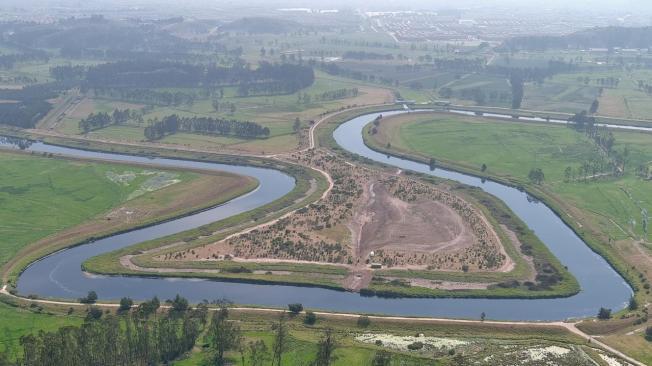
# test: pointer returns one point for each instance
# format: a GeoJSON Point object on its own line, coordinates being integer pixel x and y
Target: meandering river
{"type": "Point", "coordinates": [60, 274]}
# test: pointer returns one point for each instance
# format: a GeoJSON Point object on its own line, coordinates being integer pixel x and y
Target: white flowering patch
{"type": "Point", "coordinates": [613, 361]}
{"type": "Point", "coordinates": [154, 182]}
{"type": "Point", "coordinates": [402, 342]}
{"type": "Point", "coordinates": [540, 354]}
{"type": "Point", "coordinates": [124, 178]}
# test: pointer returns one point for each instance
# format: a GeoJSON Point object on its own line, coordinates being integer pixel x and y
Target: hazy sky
{"type": "Point", "coordinates": [632, 5]}
{"type": "Point", "coordinates": [613, 7]}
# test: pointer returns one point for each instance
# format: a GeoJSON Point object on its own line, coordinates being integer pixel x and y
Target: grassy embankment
{"type": "Point", "coordinates": [54, 202]}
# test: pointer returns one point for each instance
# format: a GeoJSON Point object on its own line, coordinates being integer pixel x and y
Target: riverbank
{"type": "Point", "coordinates": [205, 189]}
{"type": "Point", "coordinates": [559, 205]}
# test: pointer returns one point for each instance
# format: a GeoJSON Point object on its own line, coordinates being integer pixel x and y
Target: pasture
{"type": "Point", "coordinates": [510, 150]}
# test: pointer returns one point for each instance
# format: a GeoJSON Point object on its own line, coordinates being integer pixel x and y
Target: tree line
{"type": "Point", "coordinates": [99, 120]}
{"type": "Point", "coordinates": [27, 105]}
{"type": "Point", "coordinates": [148, 96]}
{"type": "Point", "coordinates": [478, 95]}
{"type": "Point", "coordinates": [607, 157]}
{"type": "Point", "coordinates": [605, 37]}
{"type": "Point", "coordinates": [273, 78]}
{"type": "Point", "coordinates": [306, 98]}
{"type": "Point", "coordinates": [8, 61]}
{"type": "Point", "coordinates": [536, 74]}
{"type": "Point", "coordinates": [157, 129]}
{"type": "Point", "coordinates": [362, 55]}
{"type": "Point", "coordinates": [132, 337]}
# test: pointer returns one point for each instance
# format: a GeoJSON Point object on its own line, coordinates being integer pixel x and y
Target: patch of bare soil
{"type": "Point", "coordinates": [358, 279]}
{"type": "Point", "coordinates": [369, 95]}
{"type": "Point", "coordinates": [442, 285]}
{"type": "Point", "coordinates": [422, 226]}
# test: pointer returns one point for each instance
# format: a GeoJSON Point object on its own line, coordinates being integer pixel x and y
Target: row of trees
{"type": "Point", "coordinates": [306, 98]}
{"type": "Point", "coordinates": [273, 78]}
{"type": "Point", "coordinates": [172, 124]}
{"type": "Point", "coordinates": [479, 96]}
{"type": "Point", "coordinates": [68, 72]}
{"type": "Point", "coordinates": [133, 338]}
{"type": "Point", "coordinates": [8, 61]}
{"type": "Point", "coordinates": [148, 96]}
{"type": "Point", "coordinates": [363, 55]}
{"type": "Point", "coordinates": [518, 90]}
{"type": "Point", "coordinates": [99, 120]}
{"type": "Point", "coordinates": [23, 114]}
{"type": "Point", "coordinates": [606, 37]}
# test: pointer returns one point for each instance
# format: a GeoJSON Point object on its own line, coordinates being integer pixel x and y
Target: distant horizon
{"type": "Point", "coordinates": [591, 5]}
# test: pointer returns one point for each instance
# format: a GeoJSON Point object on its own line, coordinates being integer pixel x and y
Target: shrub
{"type": "Point", "coordinates": [604, 314]}
{"type": "Point", "coordinates": [91, 298]}
{"type": "Point", "coordinates": [295, 308]}
{"type": "Point", "coordinates": [125, 304]}
{"type": "Point", "coordinates": [415, 346]}
{"type": "Point", "coordinates": [310, 318]}
{"type": "Point", "coordinates": [382, 358]}
{"type": "Point", "coordinates": [648, 334]}
{"type": "Point", "coordinates": [94, 313]}
{"type": "Point", "coordinates": [179, 304]}
{"type": "Point", "coordinates": [364, 321]}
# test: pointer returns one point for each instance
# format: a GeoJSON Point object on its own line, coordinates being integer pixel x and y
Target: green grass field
{"type": "Point", "coordinates": [510, 150]}
{"type": "Point", "coordinates": [42, 196]}
{"type": "Point", "coordinates": [276, 112]}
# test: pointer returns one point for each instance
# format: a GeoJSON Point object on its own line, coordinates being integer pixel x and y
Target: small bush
{"type": "Point", "coordinates": [604, 314]}
{"type": "Point", "coordinates": [295, 308]}
{"type": "Point", "coordinates": [364, 321]}
{"type": "Point", "coordinates": [91, 298]}
{"type": "Point", "coordinates": [310, 318]}
{"type": "Point", "coordinates": [415, 346]}
{"type": "Point", "coordinates": [94, 313]}
{"type": "Point", "coordinates": [125, 304]}
{"type": "Point", "coordinates": [648, 334]}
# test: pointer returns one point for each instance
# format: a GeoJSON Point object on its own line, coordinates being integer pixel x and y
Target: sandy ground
{"type": "Point", "coordinates": [424, 226]}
